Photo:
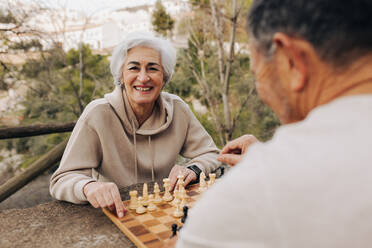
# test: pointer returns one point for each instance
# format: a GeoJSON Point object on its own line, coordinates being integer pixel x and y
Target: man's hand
{"type": "Point", "coordinates": [233, 151]}
{"type": "Point", "coordinates": [105, 194]}
{"type": "Point", "coordinates": [188, 174]}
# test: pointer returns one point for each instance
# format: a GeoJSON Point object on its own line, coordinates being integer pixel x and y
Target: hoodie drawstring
{"type": "Point", "coordinates": [152, 161]}
{"type": "Point", "coordinates": [135, 152]}
{"type": "Point", "coordinates": [135, 156]}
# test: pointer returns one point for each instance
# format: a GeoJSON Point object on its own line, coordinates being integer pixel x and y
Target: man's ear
{"type": "Point", "coordinates": [296, 52]}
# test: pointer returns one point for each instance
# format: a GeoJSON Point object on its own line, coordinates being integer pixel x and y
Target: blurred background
{"type": "Point", "coordinates": [54, 59]}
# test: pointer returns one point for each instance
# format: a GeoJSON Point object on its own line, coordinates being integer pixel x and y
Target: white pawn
{"type": "Point", "coordinates": [202, 184]}
{"type": "Point", "coordinates": [133, 199]}
{"type": "Point", "coordinates": [157, 199]}
{"type": "Point", "coordinates": [212, 179]}
{"type": "Point", "coordinates": [145, 195]}
{"type": "Point", "coordinates": [167, 196]}
{"type": "Point", "coordinates": [178, 212]}
{"type": "Point", "coordinates": [151, 206]}
{"type": "Point", "coordinates": [140, 209]}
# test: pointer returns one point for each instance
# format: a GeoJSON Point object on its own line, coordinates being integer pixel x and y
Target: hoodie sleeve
{"type": "Point", "coordinates": [83, 152]}
{"type": "Point", "coordinates": [199, 145]}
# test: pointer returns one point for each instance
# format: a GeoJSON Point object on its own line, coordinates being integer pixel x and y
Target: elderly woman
{"type": "Point", "coordinates": [135, 133]}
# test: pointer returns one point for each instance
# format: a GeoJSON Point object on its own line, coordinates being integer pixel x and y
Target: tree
{"type": "Point", "coordinates": [215, 69]}
{"type": "Point", "coordinates": [161, 20]}
{"type": "Point", "coordinates": [15, 38]}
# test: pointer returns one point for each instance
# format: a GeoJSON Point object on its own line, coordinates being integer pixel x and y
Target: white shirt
{"type": "Point", "coordinates": [309, 187]}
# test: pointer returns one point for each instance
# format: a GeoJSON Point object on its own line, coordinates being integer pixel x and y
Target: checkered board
{"type": "Point", "coordinates": [151, 229]}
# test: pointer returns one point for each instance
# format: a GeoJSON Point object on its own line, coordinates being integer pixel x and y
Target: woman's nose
{"type": "Point", "coordinates": [142, 76]}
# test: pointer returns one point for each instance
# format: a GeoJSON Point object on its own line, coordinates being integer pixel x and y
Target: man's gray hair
{"type": "Point", "coordinates": [164, 47]}
{"type": "Point", "coordinates": [339, 30]}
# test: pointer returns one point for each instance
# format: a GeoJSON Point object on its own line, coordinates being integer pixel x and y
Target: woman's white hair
{"type": "Point", "coordinates": [164, 47]}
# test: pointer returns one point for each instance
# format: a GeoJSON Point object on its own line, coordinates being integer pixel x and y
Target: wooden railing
{"type": "Point", "coordinates": [39, 166]}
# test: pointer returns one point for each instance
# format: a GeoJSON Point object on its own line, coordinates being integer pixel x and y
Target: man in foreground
{"type": "Point", "coordinates": [310, 185]}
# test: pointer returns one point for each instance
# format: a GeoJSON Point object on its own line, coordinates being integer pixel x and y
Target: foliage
{"type": "Point", "coordinates": [161, 20]}
{"type": "Point", "coordinates": [55, 91]}
{"type": "Point", "coordinates": [197, 76]}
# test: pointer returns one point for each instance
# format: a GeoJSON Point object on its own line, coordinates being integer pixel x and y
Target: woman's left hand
{"type": "Point", "coordinates": [188, 174]}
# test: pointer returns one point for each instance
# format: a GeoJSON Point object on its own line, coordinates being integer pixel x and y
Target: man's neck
{"type": "Point", "coordinates": [357, 80]}
{"type": "Point", "coordinates": [332, 84]}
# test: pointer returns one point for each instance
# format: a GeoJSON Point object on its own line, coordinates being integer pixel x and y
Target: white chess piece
{"type": "Point", "coordinates": [140, 209]}
{"type": "Point", "coordinates": [167, 196]}
{"type": "Point", "coordinates": [180, 181]}
{"type": "Point", "coordinates": [157, 199]}
{"type": "Point", "coordinates": [151, 206]}
{"type": "Point", "coordinates": [212, 179]}
{"type": "Point", "coordinates": [202, 183]}
{"type": "Point", "coordinates": [176, 194]}
{"type": "Point", "coordinates": [183, 197]}
{"type": "Point", "coordinates": [133, 199]}
{"type": "Point", "coordinates": [178, 212]}
{"type": "Point", "coordinates": [145, 195]}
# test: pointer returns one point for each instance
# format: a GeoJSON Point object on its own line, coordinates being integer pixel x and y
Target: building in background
{"type": "Point", "coordinates": [102, 30]}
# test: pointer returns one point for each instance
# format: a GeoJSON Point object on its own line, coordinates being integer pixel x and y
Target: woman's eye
{"type": "Point", "coordinates": [153, 69]}
{"type": "Point", "coordinates": [133, 68]}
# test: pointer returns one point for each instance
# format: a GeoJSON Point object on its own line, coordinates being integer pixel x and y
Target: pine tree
{"type": "Point", "coordinates": [161, 20]}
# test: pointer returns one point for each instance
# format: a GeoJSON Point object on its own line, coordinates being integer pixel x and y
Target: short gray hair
{"type": "Point", "coordinates": [163, 46]}
{"type": "Point", "coordinates": [339, 30]}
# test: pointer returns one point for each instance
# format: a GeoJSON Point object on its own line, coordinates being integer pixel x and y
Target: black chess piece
{"type": "Point", "coordinates": [174, 230]}
{"type": "Point", "coordinates": [185, 210]}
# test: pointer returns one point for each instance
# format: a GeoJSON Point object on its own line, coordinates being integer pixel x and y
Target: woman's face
{"type": "Point", "coordinates": [143, 76]}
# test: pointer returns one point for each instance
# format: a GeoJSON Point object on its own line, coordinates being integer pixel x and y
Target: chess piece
{"type": "Point", "coordinates": [174, 230]}
{"type": "Point", "coordinates": [151, 206]}
{"type": "Point", "coordinates": [185, 211]}
{"type": "Point", "coordinates": [202, 183]}
{"type": "Point", "coordinates": [133, 199]}
{"type": "Point", "coordinates": [140, 209]}
{"type": "Point", "coordinates": [157, 199]}
{"type": "Point", "coordinates": [177, 198]}
{"type": "Point", "coordinates": [180, 181]}
{"type": "Point", "coordinates": [167, 196]}
{"type": "Point", "coordinates": [212, 179]}
{"type": "Point", "coordinates": [182, 196]}
{"type": "Point", "coordinates": [178, 212]}
{"type": "Point", "coordinates": [145, 195]}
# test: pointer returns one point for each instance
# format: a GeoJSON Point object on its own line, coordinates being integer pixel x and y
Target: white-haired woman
{"type": "Point", "coordinates": [135, 133]}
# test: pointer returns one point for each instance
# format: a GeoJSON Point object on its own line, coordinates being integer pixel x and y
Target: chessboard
{"type": "Point", "coordinates": [152, 229]}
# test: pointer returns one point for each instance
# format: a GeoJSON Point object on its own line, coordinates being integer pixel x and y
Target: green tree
{"type": "Point", "coordinates": [54, 93]}
{"type": "Point", "coordinates": [215, 70]}
{"type": "Point", "coordinates": [161, 20]}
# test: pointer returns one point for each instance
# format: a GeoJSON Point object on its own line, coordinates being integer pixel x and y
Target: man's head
{"type": "Point", "coordinates": [296, 44]}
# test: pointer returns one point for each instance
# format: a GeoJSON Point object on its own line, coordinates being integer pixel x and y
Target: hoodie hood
{"type": "Point", "coordinates": [159, 120]}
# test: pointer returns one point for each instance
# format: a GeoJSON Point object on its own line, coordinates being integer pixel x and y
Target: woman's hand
{"type": "Point", "coordinates": [188, 174]}
{"type": "Point", "coordinates": [233, 151]}
{"type": "Point", "coordinates": [105, 194]}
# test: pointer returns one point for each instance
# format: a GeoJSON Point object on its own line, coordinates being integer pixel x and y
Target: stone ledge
{"type": "Point", "coordinates": [61, 224]}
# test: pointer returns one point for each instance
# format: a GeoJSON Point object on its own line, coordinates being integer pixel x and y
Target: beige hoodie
{"type": "Point", "coordinates": [107, 144]}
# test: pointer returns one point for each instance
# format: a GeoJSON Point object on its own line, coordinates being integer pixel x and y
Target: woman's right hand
{"type": "Point", "coordinates": [105, 194]}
